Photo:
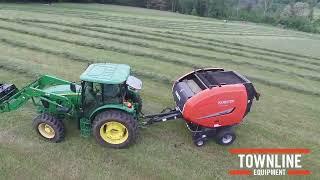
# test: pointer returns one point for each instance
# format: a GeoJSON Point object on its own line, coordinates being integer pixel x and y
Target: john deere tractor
{"type": "Point", "coordinates": [106, 104]}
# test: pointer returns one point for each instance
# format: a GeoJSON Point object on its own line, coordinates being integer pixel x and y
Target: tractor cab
{"type": "Point", "coordinates": [109, 85]}
{"type": "Point", "coordinates": [106, 104]}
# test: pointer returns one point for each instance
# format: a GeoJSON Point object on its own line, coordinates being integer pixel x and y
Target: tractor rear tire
{"type": "Point", "coordinates": [225, 136]}
{"type": "Point", "coordinates": [49, 127]}
{"type": "Point", "coordinates": [115, 128]}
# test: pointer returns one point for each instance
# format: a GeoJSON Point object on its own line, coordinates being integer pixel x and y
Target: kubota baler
{"type": "Point", "coordinates": [210, 101]}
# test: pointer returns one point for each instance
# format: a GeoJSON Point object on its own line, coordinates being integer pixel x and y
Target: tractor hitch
{"type": "Point", "coordinates": [166, 115]}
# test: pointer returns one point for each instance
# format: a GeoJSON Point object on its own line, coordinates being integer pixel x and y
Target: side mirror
{"type": "Point", "coordinates": [73, 87]}
{"type": "Point", "coordinates": [134, 82]}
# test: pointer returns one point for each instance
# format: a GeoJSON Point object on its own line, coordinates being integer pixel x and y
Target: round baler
{"type": "Point", "coordinates": [210, 101]}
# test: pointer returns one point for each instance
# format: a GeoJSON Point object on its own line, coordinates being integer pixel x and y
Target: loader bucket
{"type": "Point", "coordinates": [7, 91]}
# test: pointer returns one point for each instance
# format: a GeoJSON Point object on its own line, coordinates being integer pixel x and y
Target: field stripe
{"type": "Point", "coordinates": [261, 67]}
{"type": "Point", "coordinates": [195, 39]}
{"type": "Point", "coordinates": [163, 58]}
{"type": "Point", "coordinates": [140, 22]}
{"type": "Point", "coordinates": [190, 23]}
{"type": "Point", "coordinates": [159, 22]}
{"type": "Point", "coordinates": [201, 47]}
{"type": "Point", "coordinates": [238, 44]}
{"type": "Point", "coordinates": [199, 43]}
{"type": "Point", "coordinates": [8, 67]}
{"type": "Point", "coordinates": [207, 57]}
{"type": "Point", "coordinates": [283, 86]}
{"type": "Point", "coordinates": [76, 58]}
{"type": "Point", "coordinates": [177, 51]}
{"type": "Point", "coordinates": [155, 76]}
{"type": "Point", "coordinates": [161, 35]}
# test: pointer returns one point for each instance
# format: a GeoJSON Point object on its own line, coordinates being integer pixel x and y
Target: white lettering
{"type": "Point", "coordinates": [276, 162]}
{"type": "Point", "coordinates": [290, 161]}
{"type": "Point", "coordinates": [297, 161]}
{"type": "Point", "coordinates": [259, 160]}
{"type": "Point", "coordinates": [266, 172]}
{"type": "Point", "coordinates": [270, 161]}
{"type": "Point", "coordinates": [241, 156]}
{"type": "Point", "coordinates": [249, 161]}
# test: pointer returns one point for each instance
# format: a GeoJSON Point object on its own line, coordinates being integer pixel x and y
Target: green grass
{"type": "Point", "coordinates": [160, 46]}
{"type": "Point", "coordinates": [317, 13]}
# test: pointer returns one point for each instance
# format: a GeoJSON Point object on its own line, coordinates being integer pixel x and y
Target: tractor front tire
{"type": "Point", "coordinates": [115, 128]}
{"type": "Point", "coordinates": [49, 127]}
{"type": "Point", "coordinates": [225, 136]}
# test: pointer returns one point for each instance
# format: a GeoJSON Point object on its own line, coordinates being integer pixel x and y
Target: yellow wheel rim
{"type": "Point", "coordinates": [46, 130]}
{"type": "Point", "coordinates": [114, 132]}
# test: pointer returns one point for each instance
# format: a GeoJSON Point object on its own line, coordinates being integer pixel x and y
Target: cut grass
{"type": "Point", "coordinates": [161, 57]}
{"type": "Point", "coordinates": [280, 84]}
{"type": "Point", "coordinates": [199, 43]}
{"type": "Point", "coordinates": [63, 44]}
{"type": "Point", "coordinates": [186, 44]}
{"type": "Point", "coordinates": [165, 79]}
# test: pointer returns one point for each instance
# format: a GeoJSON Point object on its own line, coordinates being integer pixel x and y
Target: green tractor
{"type": "Point", "coordinates": [106, 104]}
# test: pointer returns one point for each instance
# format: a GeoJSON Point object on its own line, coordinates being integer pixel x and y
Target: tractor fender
{"type": "Point", "coordinates": [112, 107]}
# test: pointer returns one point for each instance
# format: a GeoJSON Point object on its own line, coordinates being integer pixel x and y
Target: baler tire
{"type": "Point", "coordinates": [199, 143]}
{"type": "Point", "coordinates": [116, 116]}
{"type": "Point", "coordinates": [225, 136]}
{"type": "Point", "coordinates": [54, 123]}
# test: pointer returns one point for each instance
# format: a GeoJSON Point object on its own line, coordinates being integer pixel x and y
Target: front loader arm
{"type": "Point", "coordinates": [35, 90]}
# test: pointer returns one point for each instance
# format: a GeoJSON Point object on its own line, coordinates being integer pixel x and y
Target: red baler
{"type": "Point", "coordinates": [211, 101]}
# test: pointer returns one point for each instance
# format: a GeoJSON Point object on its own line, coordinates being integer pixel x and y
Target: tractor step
{"type": "Point", "coordinates": [7, 91]}
{"type": "Point", "coordinates": [85, 127]}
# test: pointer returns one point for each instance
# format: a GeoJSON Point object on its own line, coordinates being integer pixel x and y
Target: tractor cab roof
{"type": "Point", "coordinates": [106, 73]}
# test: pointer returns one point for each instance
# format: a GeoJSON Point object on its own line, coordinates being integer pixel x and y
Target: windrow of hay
{"type": "Point", "coordinates": [150, 75]}
{"type": "Point", "coordinates": [205, 43]}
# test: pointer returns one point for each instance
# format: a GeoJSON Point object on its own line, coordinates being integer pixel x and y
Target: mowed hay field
{"type": "Point", "coordinates": [317, 13]}
{"type": "Point", "coordinates": [160, 46]}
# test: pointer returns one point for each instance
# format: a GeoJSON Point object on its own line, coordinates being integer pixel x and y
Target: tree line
{"type": "Point", "coordinates": [297, 14]}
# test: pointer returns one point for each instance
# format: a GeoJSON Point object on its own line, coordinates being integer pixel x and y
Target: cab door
{"type": "Point", "coordinates": [91, 96]}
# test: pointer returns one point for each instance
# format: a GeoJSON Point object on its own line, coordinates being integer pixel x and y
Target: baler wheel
{"type": "Point", "coordinates": [49, 127]}
{"type": "Point", "coordinates": [114, 128]}
{"type": "Point", "coordinates": [199, 143]}
{"type": "Point", "coordinates": [225, 136]}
